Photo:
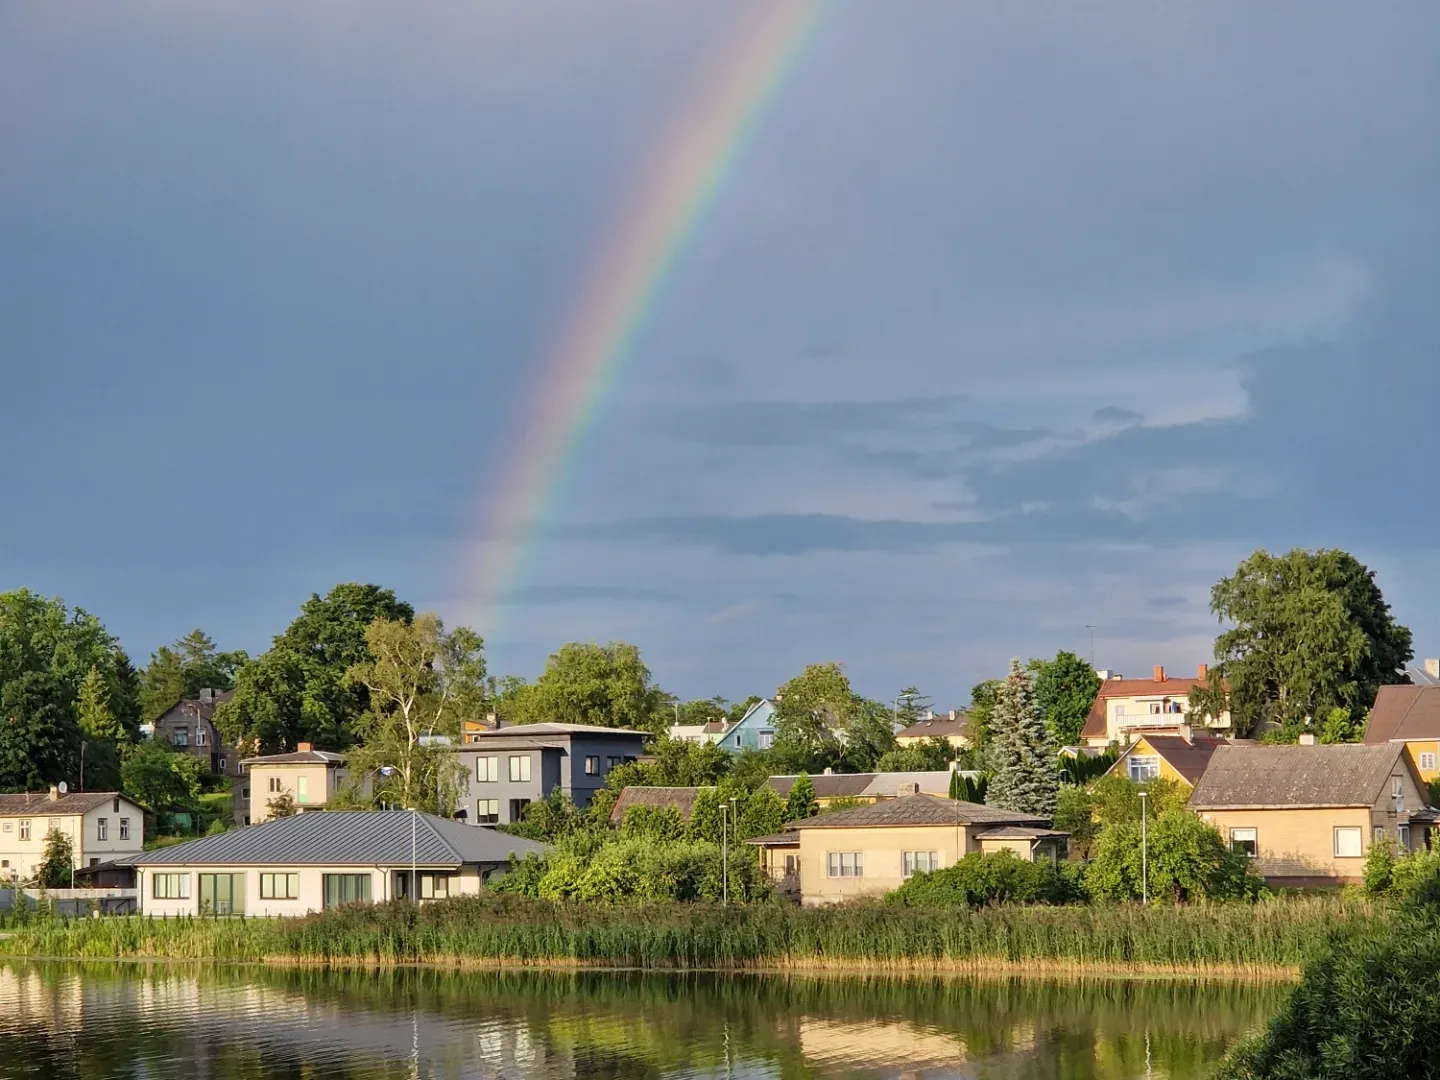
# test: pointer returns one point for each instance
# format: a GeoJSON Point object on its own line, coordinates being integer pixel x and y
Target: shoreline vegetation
{"type": "Point", "coordinates": [1270, 940]}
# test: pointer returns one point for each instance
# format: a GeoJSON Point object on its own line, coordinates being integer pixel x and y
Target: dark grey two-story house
{"type": "Point", "coordinates": [511, 767]}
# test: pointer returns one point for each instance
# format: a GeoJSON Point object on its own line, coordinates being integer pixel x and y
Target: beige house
{"type": "Point", "coordinates": [1160, 705]}
{"type": "Point", "coordinates": [871, 787]}
{"type": "Point", "coordinates": [310, 777]}
{"type": "Point", "coordinates": [871, 850]}
{"type": "Point", "coordinates": [311, 862]}
{"type": "Point", "coordinates": [1307, 813]}
{"type": "Point", "coordinates": [953, 728]}
{"type": "Point", "coordinates": [101, 825]}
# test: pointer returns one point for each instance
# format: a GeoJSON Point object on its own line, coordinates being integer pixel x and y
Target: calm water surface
{"type": "Point", "coordinates": [155, 1023]}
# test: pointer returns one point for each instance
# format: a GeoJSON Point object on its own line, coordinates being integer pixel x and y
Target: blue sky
{"type": "Point", "coordinates": [1010, 319]}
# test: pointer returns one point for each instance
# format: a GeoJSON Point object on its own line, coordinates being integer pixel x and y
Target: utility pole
{"type": "Point", "coordinates": [1144, 852]}
{"type": "Point", "coordinates": [1092, 630]}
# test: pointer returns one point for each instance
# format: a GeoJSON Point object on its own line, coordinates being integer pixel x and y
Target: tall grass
{"type": "Point", "coordinates": [492, 928]}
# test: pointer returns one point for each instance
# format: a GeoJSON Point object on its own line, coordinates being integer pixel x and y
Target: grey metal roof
{"type": "Point", "coordinates": [553, 729]}
{"type": "Point", "coordinates": [346, 838]}
{"type": "Point", "coordinates": [1344, 774]}
{"type": "Point", "coordinates": [299, 757]}
{"type": "Point", "coordinates": [917, 810]}
{"type": "Point", "coordinates": [826, 785]}
{"type": "Point", "coordinates": [786, 839]}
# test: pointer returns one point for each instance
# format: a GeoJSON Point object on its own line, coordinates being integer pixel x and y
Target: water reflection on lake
{"type": "Point", "coordinates": [66, 1021]}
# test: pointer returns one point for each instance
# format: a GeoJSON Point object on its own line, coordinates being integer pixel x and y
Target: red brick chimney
{"type": "Point", "coordinates": [1202, 672]}
{"type": "Point", "coordinates": [1159, 672]}
{"type": "Point", "coordinates": [303, 748]}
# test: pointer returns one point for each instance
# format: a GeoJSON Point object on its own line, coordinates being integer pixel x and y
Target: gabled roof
{"type": "Point", "coordinates": [941, 727]}
{"type": "Point", "coordinates": [1404, 712]}
{"type": "Point", "coordinates": [195, 708]}
{"type": "Point", "coordinates": [917, 810]}
{"type": "Point", "coordinates": [39, 804]}
{"type": "Point", "coordinates": [1169, 687]}
{"type": "Point", "coordinates": [1189, 757]}
{"type": "Point", "coordinates": [346, 838]}
{"type": "Point", "coordinates": [1287, 777]}
{"type": "Point", "coordinates": [1018, 832]}
{"type": "Point", "coordinates": [827, 785]}
{"type": "Point", "coordinates": [541, 730]}
{"type": "Point", "coordinates": [681, 798]}
{"type": "Point", "coordinates": [882, 785]}
{"type": "Point", "coordinates": [298, 757]}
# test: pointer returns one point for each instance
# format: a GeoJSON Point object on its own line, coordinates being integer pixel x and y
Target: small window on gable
{"type": "Point", "coordinates": [1427, 762]}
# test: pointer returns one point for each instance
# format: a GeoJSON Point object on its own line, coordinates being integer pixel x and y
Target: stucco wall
{"type": "Point", "coordinates": [25, 856]}
{"type": "Point", "coordinates": [321, 782]}
{"type": "Point", "coordinates": [883, 849]}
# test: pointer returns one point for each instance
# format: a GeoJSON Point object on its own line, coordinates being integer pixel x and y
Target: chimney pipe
{"type": "Point", "coordinates": [1432, 667]}
{"type": "Point", "coordinates": [1202, 672]}
{"type": "Point", "coordinates": [54, 792]}
{"type": "Point", "coordinates": [1307, 738]}
{"type": "Point", "coordinates": [303, 748]}
{"type": "Point", "coordinates": [1159, 672]}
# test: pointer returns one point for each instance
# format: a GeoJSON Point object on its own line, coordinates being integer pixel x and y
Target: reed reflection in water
{"type": "Point", "coordinates": [71, 1022]}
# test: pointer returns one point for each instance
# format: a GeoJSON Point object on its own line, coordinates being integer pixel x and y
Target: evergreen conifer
{"type": "Point", "coordinates": [1024, 776]}
{"type": "Point", "coordinates": [801, 801]}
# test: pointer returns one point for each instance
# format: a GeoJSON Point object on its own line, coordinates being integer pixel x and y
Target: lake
{"type": "Point", "coordinates": [87, 1022]}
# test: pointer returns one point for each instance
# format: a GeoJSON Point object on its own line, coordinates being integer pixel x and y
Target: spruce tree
{"type": "Point", "coordinates": [1023, 776]}
{"type": "Point", "coordinates": [801, 801]}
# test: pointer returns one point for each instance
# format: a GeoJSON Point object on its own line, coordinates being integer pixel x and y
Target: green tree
{"type": "Point", "coordinates": [762, 814]}
{"type": "Point", "coordinates": [1065, 689]}
{"type": "Point", "coordinates": [737, 711]}
{"type": "Point", "coordinates": [549, 819]}
{"type": "Point", "coordinates": [1075, 814]}
{"type": "Point", "coordinates": [675, 763]}
{"type": "Point", "coordinates": [161, 780]}
{"type": "Point", "coordinates": [1024, 776]}
{"type": "Point", "coordinates": [418, 678]}
{"type": "Point", "coordinates": [1310, 633]}
{"type": "Point", "coordinates": [927, 755]}
{"type": "Point", "coordinates": [297, 690]}
{"type": "Point", "coordinates": [282, 805]}
{"type": "Point", "coordinates": [57, 862]}
{"type": "Point", "coordinates": [800, 803]}
{"type": "Point", "coordinates": [660, 824]}
{"type": "Point", "coordinates": [101, 733]}
{"type": "Point", "coordinates": [910, 706]}
{"type": "Point", "coordinates": [983, 699]}
{"type": "Point", "coordinates": [1187, 860]}
{"type": "Point", "coordinates": [869, 735]}
{"type": "Point", "coordinates": [39, 736]}
{"type": "Point", "coordinates": [180, 671]}
{"type": "Point", "coordinates": [811, 712]}
{"type": "Point", "coordinates": [1116, 799]}
{"type": "Point", "coordinates": [605, 685]}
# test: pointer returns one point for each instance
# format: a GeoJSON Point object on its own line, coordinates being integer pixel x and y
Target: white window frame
{"type": "Point", "coordinates": [25, 829]}
{"type": "Point", "coordinates": [1402, 835]}
{"type": "Point", "coordinates": [919, 862]}
{"type": "Point", "coordinates": [199, 736]}
{"type": "Point", "coordinates": [280, 885]}
{"type": "Point", "coordinates": [592, 764]}
{"type": "Point", "coordinates": [845, 864]}
{"type": "Point", "coordinates": [1139, 776]}
{"type": "Point", "coordinates": [124, 828]}
{"type": "Point", "coordinates": [520, 768]}
{"type": "Point", "coordinates": [487, 769]}
{"type": "Point", "coordinates": [1239, 836]}
{"type": "Point", "coordinates": [1427, 761]}
{"type": "Point", "coordinates": [434, 886]}
{"type": "Point", "coordinates": [765, 739]}
{"type": "Point", "coordinates": [180, 737]}
{"type": "Point", "coordinates": [1349, 832]}
{"type": "Point", "coordinates": [102, 829]}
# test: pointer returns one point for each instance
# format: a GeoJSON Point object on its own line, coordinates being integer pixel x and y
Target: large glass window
{"type": "Point", "coordinates": [1348, 841]}
{"type": "Point", "coordinates": [921, 862]}
{"type": "Point", "coordinates": [285, 886]}
{"type": "Point", "coordinates": [1144, 767]}
{"type": "Point", "coordinates": [1245, 841]}
{"type": "Point", "coordinates": [170, 886]}
{"type": "Point", "coordinates": [843, 864]}
{"type": "Point", "coordinates": [434, 886]}
{"type": "Point", "coordinates": [517, 809]}
{"type": "Point", "coordinates": [766, 739]}
{"type": "Point", "coordinates": [346, 889]}
{"type": "Point", "coordinates": [487, 770]}
{"type": "Point", "coordinates": [520, 768]}
{"type": "Point", "coordinates": [222, 894]}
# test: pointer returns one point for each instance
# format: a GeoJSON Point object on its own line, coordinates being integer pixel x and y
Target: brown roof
{"type": "Point", "coordinates": [917, 810]}
{"type": "Point", "coordinates": [827, 786]}
{"type": "Point", "coordinates": [1345, 774]}
{"type": "Point", "coordinates": [299, 757]}
{"type": "Point", "coordinates": [784, 839]}
{"type": "Point", "coordinates": [1018, 832]}
{"type": "Point", "coordinates": [941, 727]}
{"type": "Point", "coordinates": [195, 708]}
{"type": "Point", "coordinates": [39, 804]}
{"type": "Point", "coordinates": [681, 798]}
{"type": "Point", "coordinates": [1189, 757]}
{"type": "Point", "coordinates": [1404, 712]}
{"type": "Point", "coordinates": [1170, 687]}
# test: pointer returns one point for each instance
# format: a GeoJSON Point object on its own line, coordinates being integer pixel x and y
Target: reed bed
{"type": "Point", "coordinates": [497, 929]}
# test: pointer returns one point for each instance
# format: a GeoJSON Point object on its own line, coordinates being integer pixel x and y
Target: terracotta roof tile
{"type": "Point", "coordinates": [1404, 712]}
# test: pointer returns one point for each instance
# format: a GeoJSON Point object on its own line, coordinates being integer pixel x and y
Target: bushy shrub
{"type": "Point", "coordinates": [1379, 869]}
{"type": "Point", "coordinates": [659, 823]}
{"type": "Point", "coordinates": [1188, 860]}
{"type": "Point", "coordinates": [998, 878]}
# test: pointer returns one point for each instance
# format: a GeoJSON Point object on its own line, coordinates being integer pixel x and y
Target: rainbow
{"type": "Point", "coordinates": [623, 286]}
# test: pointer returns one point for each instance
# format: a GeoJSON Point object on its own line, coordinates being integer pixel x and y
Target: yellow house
{"type": "Point", "coordinates": [101, 825]}
{"type": "Point", "coordinates": [1182, 758]}
{"type": "Point", "coordinates": [1308, 813]}
{"type": "Point", "coordinates": [871, 850]}
{"type": "Point", "coordinates": [1409, 715]}
{"type": "Point", "coordinates": [1126, 708]}
{"type": "Point", "coordinates": [309, 777]}
{"type": "Point", "coordinates": [952, 729]}
{"type": "Point", "coordinates": [871, 787]}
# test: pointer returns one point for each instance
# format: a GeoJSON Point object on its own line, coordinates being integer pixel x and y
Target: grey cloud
{"type": "Point", "coordinates": [569, 594]}
{"type": "Point", "coordinates": [1167, 602]}
{"type": "Point", "coordinates": [1114, 414]}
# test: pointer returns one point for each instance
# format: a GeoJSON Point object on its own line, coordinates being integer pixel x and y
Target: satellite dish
{"type": "Point", "coordinates": [64, 787]}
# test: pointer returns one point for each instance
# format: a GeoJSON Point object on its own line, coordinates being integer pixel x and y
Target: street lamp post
{"type": "Point", "coordinates": [1144, 852]}
{"type": "Point", "coordinates": [390, 770]}
{"type": "Point", "coordinates": [724, 855]}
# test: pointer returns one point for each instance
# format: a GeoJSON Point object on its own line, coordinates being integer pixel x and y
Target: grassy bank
{"type": "Point", "coordinates": [493, 929]}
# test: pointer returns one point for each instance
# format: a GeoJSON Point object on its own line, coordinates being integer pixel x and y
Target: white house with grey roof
{"type": "Point", "coordinates": [311, 862]}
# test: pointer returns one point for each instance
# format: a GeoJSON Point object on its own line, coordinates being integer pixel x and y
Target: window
{"type": "Point", "coordinates": [1379, 834]}
{"type": "Point", "coordinates": [1154, 708]}
{"type": "Point", "coordinates": [280, 886]}
{"type": "Point", "coordinates": [222, 765]}
{"type": "Point", "coordinates": [200, 736]}
{"type": "Point", "coordinates": [520, 768]}
{"type": "Point", "coordinates": [302, 789]}
{"type": "Point", "coordinates": [117, 806]}
{"type": "Point", "coordinates": [4, 864]}
{"type": "Point", "coordinates": [434, 886]}
{"type": "Point", "coordinates": [102, 828]}
{"type": "Point", "coordinates": [94, 862]}
{"type": "Point", "coordinates": [1243, 840]}
{"type": "Point", "coordinates": [1119, 708]}
{"type": "Point", "coordinates": [1397, 793]}
{"type": "Point", "coordinates": [792, 865]}
{"type": "Point", "coordinates": [345, 889]}
{"type": "Point", "coordinates": [275, 786]}
{"type": "Point", "coordinates": [487, 811]}
{"type": "Point", "coordinates": [1144, 767]}
{"type": "Point", "coordinates": [245, 793]}
{"type": "Point", "coordinates": [921, 862]}
{"type": "Point", "coordinates": [1427, 761]}
{"type": "Point", "coordinates": [612, 762]}
{"type": "Point", "coordinates": [222, 894]}
{"type": "Point", "coordinates": [844, 864]}
{"type": "Point", "coordinates": [1348, 839]}
{"type": "Point", "coordinates": [124, 828]}
{"type": "Point", "coordinates": [1402, 833]}
{"type": "Point", "coordinates": [766, 739]}
{"type": "Point", "coordinates": [592, 766]}
{"type": "Point", "coordinates": [170, 887]}
{"type": "Point", "coordinates": [517, 809]}
{"type": "Point", "coordinates": [9, 826]}
{"type": "Point", "coordinates": [24, 830]}
{"type": "Point", "coordinates": [487, 769]}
